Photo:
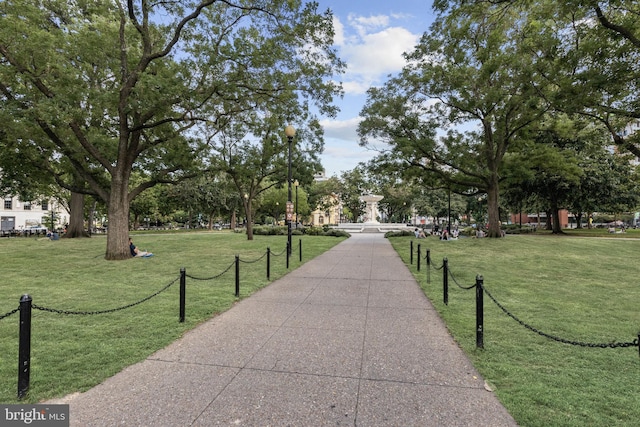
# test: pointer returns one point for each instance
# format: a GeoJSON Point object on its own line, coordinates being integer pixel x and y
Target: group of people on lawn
{"type": "Point", "coordinates": [444, 235]}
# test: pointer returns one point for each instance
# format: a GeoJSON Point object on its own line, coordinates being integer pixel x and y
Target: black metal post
{"type": "Point", "coordinates": [428, 265]}
{"type": "Point", "coordinates": [479, 312]}
{"type": "Point", "coordinates": [268, 263]}
{"type": "Point", "coordinates": [288, 251]}
{"type": "Point", "coordinates": [445, 281]}
{"type": "Point", "coordinates": [297, 184]}
{"type": "Point", "coordinates": [449, 217]}
{"type": "Point", "coordinates": [419, 256]}
{"type": "Point", "coordinates": [183, 292]}
{"type": "Point", "coordinates": [290, 140]}
{"type": "Point", "coordinates": [237, 275]}
{"type": "Point", "coordinates": [411, 252]}
{"type": "Point", "coordinates": [300, 248]}
{"type": "Point", "coordinates": [24, 346]}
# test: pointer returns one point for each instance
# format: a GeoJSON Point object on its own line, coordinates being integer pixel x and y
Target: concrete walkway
{"type": "Point", "coordinates": [348, 339]}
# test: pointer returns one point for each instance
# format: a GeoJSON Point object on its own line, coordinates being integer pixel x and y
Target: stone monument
{"type": "Point", "coordinates": [371, 211]}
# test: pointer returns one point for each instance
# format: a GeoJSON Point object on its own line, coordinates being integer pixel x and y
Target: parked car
{"type": "Point", "coordinates": [36, 229]}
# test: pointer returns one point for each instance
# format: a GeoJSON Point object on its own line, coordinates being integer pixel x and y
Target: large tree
{"type": "Point", "coordinates": [589, 50]}
{"type": "Point", "coordinates": [119, 87]}
{"type": "Point", "coordinates": [464, 97]}
{"type": "Point", "coordinates": [256, 155]}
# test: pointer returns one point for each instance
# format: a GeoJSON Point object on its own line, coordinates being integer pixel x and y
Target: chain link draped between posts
{"type": "Point", "coordinates": [479, 310]}
{"type": "Point", "coordinates": [111, 310]}
{"type": "Point", "coordinates": [613, 344]}
{"type": "Point", "coordinates": [255, 260]}
{"type": "Point", "coordinates": [10, 313]}
{"type": "Point", "coordinates": [466, 288]}
{"type": "Point", "coordinates": [26, 306]}
{"type": "Point", "coordinates": [217, 276]}
{"type": "Point", "coordinates": [281, 253]}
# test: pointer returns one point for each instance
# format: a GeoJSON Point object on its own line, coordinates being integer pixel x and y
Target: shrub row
{"type": "Point", "coordinates": [309, 231]}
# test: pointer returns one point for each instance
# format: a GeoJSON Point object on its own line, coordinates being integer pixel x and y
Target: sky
{"type": "Point", "coordinates": [371, 36]}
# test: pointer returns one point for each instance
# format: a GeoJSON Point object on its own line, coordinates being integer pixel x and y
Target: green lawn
{"type": "Point", "coordinates": [579, 289]}
{"type": "Point", "coordinates": [73, 352]}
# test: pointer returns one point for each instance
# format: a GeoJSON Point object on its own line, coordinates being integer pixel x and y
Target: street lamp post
{"type": "Point", "coordinates": [449, 215]}
{"type": "Point", "coordinates": [246, 210]}
{"type": "Point", "coordinates": [290, 132]}
{"type": "Point", "coordinates": [296, 184]}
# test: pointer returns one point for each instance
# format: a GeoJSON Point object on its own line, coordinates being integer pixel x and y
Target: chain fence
{"type": "Point", "coordinates": [479, 283]}
{"type": "Point", "coordinates": [26, 306]}
{"type": "Point", "coordinates": [10, 313]}
{"type": "Point", "coordinates": [281, 253]}
{"type": "Point", "coordinates": [255, 260]}
{"type": "Point", "coordinates": [111, 310]}
{"type": "Point", "coordinates": [217, 276]}
{"type": "Point", "coordinates": [612, 344]}
{"type": "Point", "coordinates": [466, 288]}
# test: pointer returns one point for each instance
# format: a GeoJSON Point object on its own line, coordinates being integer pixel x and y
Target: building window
{"type": "Point", "coordinates": [8, 204]}
{"type": "Point", "coordinates": [27, 206]}
{"type": "Point", "coordinates": [45, 205]}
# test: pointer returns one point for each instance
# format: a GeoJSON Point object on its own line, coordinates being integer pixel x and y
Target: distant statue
{"type": "Point", "coordinates": [371, 211]}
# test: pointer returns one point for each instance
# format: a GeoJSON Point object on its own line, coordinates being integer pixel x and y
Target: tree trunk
{"type": "Point", "coordinates": [579, 220]}
{"type": "Point", "coordinates": [210, 225]}
{"type": "Point", "coordinates": [118, 227]}
{"type": "Point", "coordinates": [76, 217]}
{"type": "Point", "coordinates": [91, 218]}
{"type": "Point", "coordinates": [556, 226]}
{"type": "Point", "coordinates": [549, 225]}
{"type": "Point", "coordinates": [247, 210]}
{"type": "Point", "coordinates": [493, 208]}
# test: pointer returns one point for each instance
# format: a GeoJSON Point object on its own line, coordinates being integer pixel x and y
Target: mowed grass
{"type": "Point", "coordinates": [581, 289]}
{"type": "Point", "coordinates": [74, 352]}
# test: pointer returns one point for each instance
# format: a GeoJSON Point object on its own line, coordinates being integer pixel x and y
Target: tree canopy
{"type": "Point", "coordinates": [115, 88]}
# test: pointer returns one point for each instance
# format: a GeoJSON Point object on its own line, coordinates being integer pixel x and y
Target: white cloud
{"type": "Point", "coordinates": [364, 25]}
{"type": "Point", "coordinates": [372, 50]}
{"type": "Point", "coordinates": [341, 129]}
{"type": "Point", "coordinates": [372, 47]}
{"type": "Point", "coordinates": [338, 28]}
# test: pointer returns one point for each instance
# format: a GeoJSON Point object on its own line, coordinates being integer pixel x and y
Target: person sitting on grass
{"type": "Point", "coordinates": [419, 234]}
{"type": "Point", "coordinates": [135, 252]}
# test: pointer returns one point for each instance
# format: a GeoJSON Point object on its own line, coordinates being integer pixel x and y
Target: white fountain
{"type": "Point", "coordinates": [371, 211]}
{"type": "Point", "coordinates": [370, 222]}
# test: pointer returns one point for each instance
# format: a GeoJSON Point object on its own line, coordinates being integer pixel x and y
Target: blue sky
{"type": "Point", "coordinates": [371, 36]}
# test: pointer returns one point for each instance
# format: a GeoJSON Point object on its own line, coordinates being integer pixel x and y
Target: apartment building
{"type": "Point", "coordinates": [16, 214]}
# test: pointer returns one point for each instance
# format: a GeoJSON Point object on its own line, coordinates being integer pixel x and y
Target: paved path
{"type": "Point", "coordinates": [347, 339]}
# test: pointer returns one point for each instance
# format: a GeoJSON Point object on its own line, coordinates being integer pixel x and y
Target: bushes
{"type": "Point", "coordinates": [399, 233]}
{"type": "Point", "coordinates": [314, 231]}
{"type": "Point", "coordinates": [309, 231]}
{"type": "Point", "coordinates": [270, 231]}
{"type": "Point", "coordinates": [336, 233]}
